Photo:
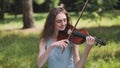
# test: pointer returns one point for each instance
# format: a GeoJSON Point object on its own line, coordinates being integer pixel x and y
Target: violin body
{"type": "Point", "coordinates": [78, 36]}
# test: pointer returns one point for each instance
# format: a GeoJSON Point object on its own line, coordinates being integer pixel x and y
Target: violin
{"type": "Point", "coordinates": [78, 36]}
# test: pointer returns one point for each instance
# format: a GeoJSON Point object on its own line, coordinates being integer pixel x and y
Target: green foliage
{"type": "Point", "coordinates": [39, 1]}
{"type": "Point", "coordinates": [93, 5]}
{"type": "Point", "coordinates": [103, 4]}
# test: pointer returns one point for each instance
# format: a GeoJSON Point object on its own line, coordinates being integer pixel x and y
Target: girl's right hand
{"type": "Point", "coordinates": [62, 43]}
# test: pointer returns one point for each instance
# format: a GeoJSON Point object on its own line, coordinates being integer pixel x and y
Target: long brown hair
{"type": "Point", "coordinates": [49, 26]}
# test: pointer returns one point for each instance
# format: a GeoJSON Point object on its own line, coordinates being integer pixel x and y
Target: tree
{"type": "Point", "coordinates": [2, 9]}
{"type": "Point", "coordinates": [28, 20]}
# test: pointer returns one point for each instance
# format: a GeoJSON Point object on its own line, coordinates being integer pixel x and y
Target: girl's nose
{"type": "Point", "coordinates": [64, 22]}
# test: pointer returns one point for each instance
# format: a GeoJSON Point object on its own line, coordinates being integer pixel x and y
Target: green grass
{"type": "Point", "coordinates": [19, 48]}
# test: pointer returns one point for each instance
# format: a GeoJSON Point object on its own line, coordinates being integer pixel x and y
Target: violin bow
{"type": "Point", "coordinates": [78, 18]}
{"type": "Point", "coordinates": [77, 21]}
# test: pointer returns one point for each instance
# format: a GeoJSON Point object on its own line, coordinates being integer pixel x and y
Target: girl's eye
{"type": "Point", "coordinates": [65, 20]}
{"type": "Point", "coordinates": [59, 21]}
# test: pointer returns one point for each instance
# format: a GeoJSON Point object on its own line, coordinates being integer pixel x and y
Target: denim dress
{"type": "Point", "coordinates": [57, 59]}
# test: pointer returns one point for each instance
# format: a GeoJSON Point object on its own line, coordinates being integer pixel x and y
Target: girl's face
{"type": "Point", "coordinates": [60, 22]}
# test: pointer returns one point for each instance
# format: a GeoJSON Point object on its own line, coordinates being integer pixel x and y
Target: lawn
{"type": "Point", "coordinates": [19, 48]}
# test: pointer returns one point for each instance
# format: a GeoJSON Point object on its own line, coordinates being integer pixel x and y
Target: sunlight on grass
{"type": "Point", "coordinates": [39, 19]}
{"type": "Point", "coordinates": [87, 23]}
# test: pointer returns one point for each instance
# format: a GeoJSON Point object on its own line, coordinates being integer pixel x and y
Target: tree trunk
{"type": "Point", "coordinates": [2, 9]}
{"type": "Point", "coordinates": [28, 20]}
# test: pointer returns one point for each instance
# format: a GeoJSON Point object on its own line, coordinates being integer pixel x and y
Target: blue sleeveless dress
{"type": "Point", "coordinates": [57, 59]}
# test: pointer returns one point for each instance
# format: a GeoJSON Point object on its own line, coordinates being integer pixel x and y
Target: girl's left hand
{"type": "Point", "coordinates": [90, 41]}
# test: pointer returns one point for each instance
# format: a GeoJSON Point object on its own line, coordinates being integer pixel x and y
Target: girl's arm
{"type": "Point", "coordinates": [89, 43]}
{"type": "Point", "coordinates": [43, 53]}
{"type": "Point", "coordinates": [75, 50]}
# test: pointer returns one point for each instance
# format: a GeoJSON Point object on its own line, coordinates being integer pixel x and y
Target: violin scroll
{"type": "Point", "coordinates": [100, 41]}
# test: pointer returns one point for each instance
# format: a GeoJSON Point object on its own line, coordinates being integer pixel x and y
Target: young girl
{"type": "Point", "coordinates": [51, 49]}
